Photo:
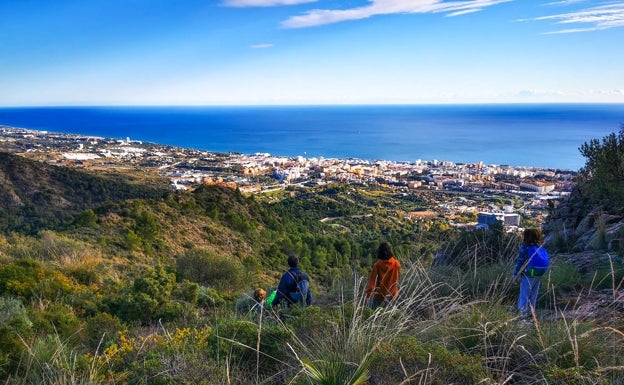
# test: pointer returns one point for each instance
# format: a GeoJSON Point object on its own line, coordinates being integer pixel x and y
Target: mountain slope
{"type": "Point", "coordinates": [35, 195]}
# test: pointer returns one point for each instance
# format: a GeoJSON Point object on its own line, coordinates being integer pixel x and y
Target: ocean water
{"type": "Point", "coordinates": [543, 135]}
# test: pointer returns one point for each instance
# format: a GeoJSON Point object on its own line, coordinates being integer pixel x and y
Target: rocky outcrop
{"type": "Point", "coordinates": [604, 306]}
{"type": "Point", "coordinates": [576, 225]}
{"type": "Point", "coordinates": [587, 261]}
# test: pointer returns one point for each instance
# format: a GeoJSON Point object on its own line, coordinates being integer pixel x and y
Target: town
{"type": "Point", "coordinates": [525, 190]}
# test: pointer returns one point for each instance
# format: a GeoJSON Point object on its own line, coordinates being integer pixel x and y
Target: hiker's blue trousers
{"type": "Point", "coordinates": [529, 287]}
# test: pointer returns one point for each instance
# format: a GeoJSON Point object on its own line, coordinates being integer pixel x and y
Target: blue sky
{"type": "Point", "coordinates": [192, 52]}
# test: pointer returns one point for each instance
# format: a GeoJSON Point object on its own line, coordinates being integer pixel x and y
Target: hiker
{"type": "Point", "coordinates": [251, 305]}
{"type": "Point", "coordinates": [532, 262]}
{"type": "Point", "coordinates": [259, 296]}
{"type": "Point", "coordinates": [294, 286]}
{"type": "Point", "coordinates": [383, 283]}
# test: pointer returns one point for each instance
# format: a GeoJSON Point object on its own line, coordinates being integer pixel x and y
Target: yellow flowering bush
{"type": "Point", "coordinates": [180, 356]}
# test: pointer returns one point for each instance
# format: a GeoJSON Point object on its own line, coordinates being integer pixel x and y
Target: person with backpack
{"type": "Point", "coordinates": [383, 282]}
{"type": "Point", "coordinates": [294, 286]}
{"type": "Point", "coordinates": [532, 262]}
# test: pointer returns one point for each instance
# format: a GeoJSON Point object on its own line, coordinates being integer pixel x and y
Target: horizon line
{"type": "Point", "coordinates": [308, 104]}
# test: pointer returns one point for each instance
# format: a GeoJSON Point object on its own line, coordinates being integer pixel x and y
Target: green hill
{"type": "Point", "coordinates": [332, 229]}
{"type": "Point", "coordinates": [36, 195]}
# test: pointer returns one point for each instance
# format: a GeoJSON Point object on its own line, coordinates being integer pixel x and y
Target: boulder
{"type": "Point", "coordinates": [584, 226]}
{"type": "Point", "coordinates": [614, 236]}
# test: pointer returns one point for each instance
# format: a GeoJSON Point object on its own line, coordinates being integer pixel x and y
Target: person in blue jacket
{"type": "Point", "coordinates": [532, 262]}
{"type": "Point", "coordinates": [294, 286]}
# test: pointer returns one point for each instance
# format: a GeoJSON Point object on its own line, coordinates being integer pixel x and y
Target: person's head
{"type": "Point", "coordinates": [384, 251]}
{"type": "Point", "coordinates": [259, 295]}
{"type": "Point", "coordinates": [532, 236]}
{"type": "Point", "coordinates": [293, 260]}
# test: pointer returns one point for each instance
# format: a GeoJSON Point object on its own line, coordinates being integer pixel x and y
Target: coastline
{"type": "Point", "coordinates": [45, 135]}
{"type": "Point", "coordinates": [543, 136]}
{"type": "Point", "coordinates": [261, 171]}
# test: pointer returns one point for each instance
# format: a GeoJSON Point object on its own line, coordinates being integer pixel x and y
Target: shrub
{"type": "Point", "coordinates": [606, 274]}
{"type": "Point", "coordinates": [563, 276]}
{"type": "Point", "coordinates": [14, 325]}
{"type": "Point", "coordinates": [57, 318]}
{"type": "Point", "coordinates": [164, 357]}
{"type": "Point", "coordinates": [210, 298]}
{"type": "Point", "coordinates": [239, 340]}
{"type": "Point", "coordinates": [187, 291]}
{"type": "Point", "coordinates": [102, 330]}
{"type": "Point", "coordinates": [207, 268]}
{"type": "Point", "coordinates": [556, 375]}
{"type": "Point", "coordinates": [148, 299]}
{"type": "Point", "coordinates": [13, 314]}
{"type": "Point", "coordinates": [424, 363]}
{"type": "Point", "coordinates": [26, 278]}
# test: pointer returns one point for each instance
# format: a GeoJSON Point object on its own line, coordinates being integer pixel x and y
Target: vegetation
{"type": "Point", "coordinates": [603, 173]}
{"type": "Point", "coordinates": [38, 196]}
{"type": "Point", "coordinates": [104, 280]}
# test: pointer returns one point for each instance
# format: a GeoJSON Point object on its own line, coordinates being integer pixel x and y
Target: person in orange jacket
{"type": "Point", "coordinates": [383, 283]}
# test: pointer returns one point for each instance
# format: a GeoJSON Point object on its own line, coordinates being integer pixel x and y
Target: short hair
{"type": "Point", "coordinates": [532, 236]}
{"type": "Point", "coordinates": [259, 295]}
{"type": "Point", "coordinates": [385, 251]}
{"type": "Point", "coordinates": [293, 260]}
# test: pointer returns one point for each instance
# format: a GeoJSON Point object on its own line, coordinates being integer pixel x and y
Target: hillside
{"type": "Point", "coordinates": [332, 227]}
{"type": "Point", "coordinates": [36, 195]}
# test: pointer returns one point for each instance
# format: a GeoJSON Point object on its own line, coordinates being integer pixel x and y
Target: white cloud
{"type": "Point", "coordinates": [616, 92]}
{"type": "Point", "coordinates": [261, 46]}
{"type": "Point", "coordinates": [539, 93]}
{"type": "Point", "coordinates": [385, 7]}
{"type": "Point", "coordinates": [264, 3]}
{"type": "Point", "coordinates": [566, 2]}
{"type": "Point", "coordinates": [591, 19]}
{"type": "Point", "coordinates": [464, 12]}
{"type": "Point", "coordinates": [614, 95]}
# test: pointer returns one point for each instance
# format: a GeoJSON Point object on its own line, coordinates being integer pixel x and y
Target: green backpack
{"type": "Point", "coordinates": [270, 298]}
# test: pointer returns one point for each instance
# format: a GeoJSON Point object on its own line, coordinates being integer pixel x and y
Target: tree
{"type": "Point", "coordinates": [602, 177]}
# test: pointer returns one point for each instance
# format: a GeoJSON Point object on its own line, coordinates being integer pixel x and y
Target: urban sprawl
{"type": "Point", "coordinates": [262, 173]}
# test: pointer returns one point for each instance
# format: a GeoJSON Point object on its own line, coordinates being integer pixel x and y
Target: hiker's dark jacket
{"type": "Point", "coordinates": [288, 284]}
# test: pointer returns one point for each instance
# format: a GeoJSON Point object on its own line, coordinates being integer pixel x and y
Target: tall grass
{"type": "Point", "coordinates": [341, 349]}
{"type": "Point", "coordinates": [52, 361]}
{"type": "Point", "coordinates": [447, 326]}
{"type": "Point", "coordinates": [444, 319]}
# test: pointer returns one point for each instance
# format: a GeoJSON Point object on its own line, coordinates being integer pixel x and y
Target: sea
{"type": "Point", "coordinates": [532, 135]}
